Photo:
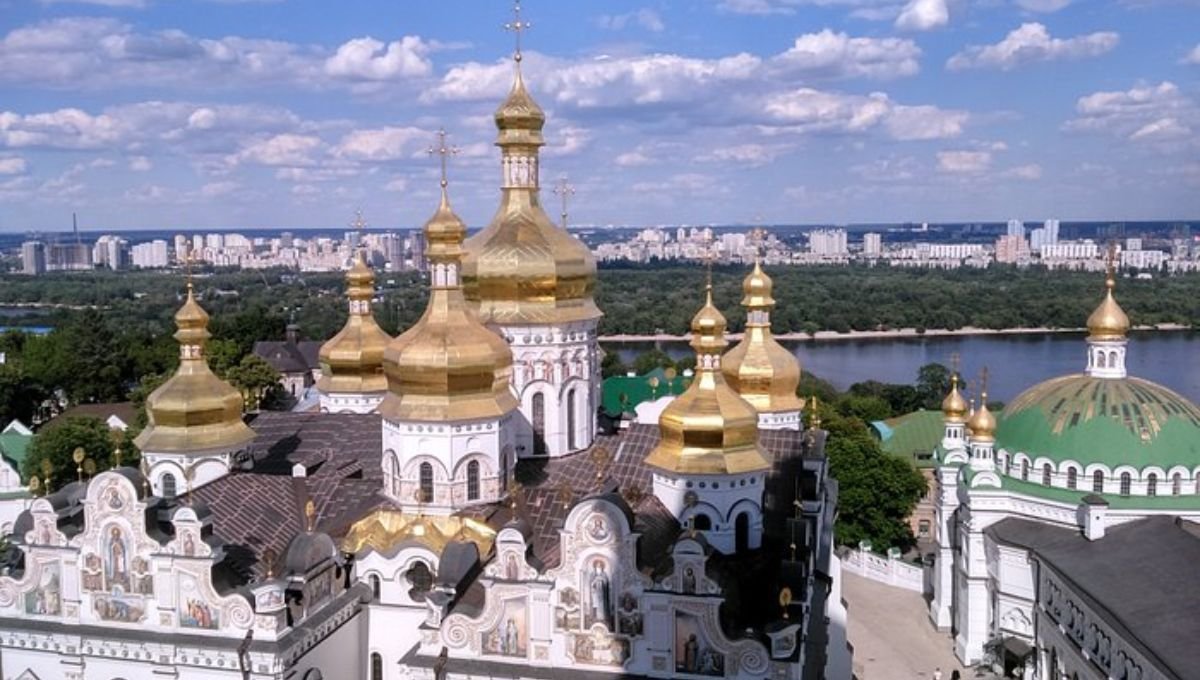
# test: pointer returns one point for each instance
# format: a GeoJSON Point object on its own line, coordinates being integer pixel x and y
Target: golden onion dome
{"type": "Point", "coordinates": [352, 360]}
{"type": "Point", "coordinates": [194, 410]}
{"type": "Point", "coordinates": [709, 429]}
{"type": "Point", "coordinates": [761, 370]}
{"type": "Point", "coordinates": [954, 407]}
{"type": "Point", "coordinates": [522, 268]}
{"type": "Point", "coordinates": [1108, 321]}
{"type": "Point", "coordinates": [982, 423]}
{"type": "Point", "coordinates": [447, 366]}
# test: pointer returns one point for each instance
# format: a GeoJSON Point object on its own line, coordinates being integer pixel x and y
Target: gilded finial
{"type": "Point", "coordinates": [564, 190]}
{"type": "Point", "coordinates": [77, 456]}
{"type": "Point", "coordinates": [601, 458]}
{"type": "Point", "coordinates": [516, 496]}
{"type": "Point", "coordinates": [268, 559]}
{"type": "Point", "coordinates": [444, 152]}
{"type": "Point", "coordinates": [517, 26]}
{"type": "Point", "coordinates": [117, 456]}
{"type": "Point", "coordinates": [564, 495]}
{"type": "Point", "coordinates": [188, 260]}
{"type": "Point", "coordinates": [47, 468]}
{"type": "Point", "coordinates": [310, 514]}
{"type": "Point", "coordinates": [89, 468]}
{"type": "Point", "coordinates": [1110, 266]}
{"type": "Point", "coordinates": [785, 600]}
{"type": "Point", "coordinates": [35, 485]}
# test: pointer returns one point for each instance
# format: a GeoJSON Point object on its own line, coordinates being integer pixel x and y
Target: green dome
{"type": "Point", "coordinates": [1125, 421]}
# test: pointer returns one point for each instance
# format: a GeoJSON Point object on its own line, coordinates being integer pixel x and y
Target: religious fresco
{"type": "Point", "coordinates": [194, 611]}
{"type": "Point", "coordinates": [46, 597]}
{"type": "Point", "coordinates": [629, 618]}
{"type": "Point", "coordinates": [510, 637]}
{"type": "Point", "coordinates": [599, 648]}
{"type": "Point", "coordinates": [119, 607]}
{"type": "Point", "coordinates": [93, 572]}
{"type": "Point", "coordinates": [116, 559]}
{"type": "Point", "coordinates": [694, 653]}
{"type": "Point", "coordinates": [567, 613]}
{"type": "Point", "coordinates": [597, 582]}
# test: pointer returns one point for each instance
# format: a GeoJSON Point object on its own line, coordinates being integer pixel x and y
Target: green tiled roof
{"type": "Point", "coordinates": [14, 446]}
{"type": "Point", "coordinates": [1097, 420]}
{"type": "Point", "coordinates": [914, 435]}
{"type": "Point", "coordinates": [637, 389]}
{"type": "Point", "coordinates": [1115, 501]}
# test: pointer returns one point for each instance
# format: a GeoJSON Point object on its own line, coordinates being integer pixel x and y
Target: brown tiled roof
{"type": "Point", "coordinates": [123, 410]}
{"type": "Point", "coordinates": [290, 357]}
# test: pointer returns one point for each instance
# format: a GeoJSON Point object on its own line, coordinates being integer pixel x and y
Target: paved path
{"type": "Point", "coordinates": [892, 636]}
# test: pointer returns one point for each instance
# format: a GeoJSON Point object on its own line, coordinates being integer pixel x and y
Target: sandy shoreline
{"type": "Point", "coordinates": [892, 333]}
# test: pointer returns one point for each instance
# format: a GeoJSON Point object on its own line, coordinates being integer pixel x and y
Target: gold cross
{"type": "Point", "coordinates": [983, 380]}
{"type": "Point", "coordinates": [564, 191]}
{"type": "Point", "coordinates": [518, 26]}
{"type": "Point", "coordinates": [444, 151]}
{"type": "Point", "coordinates": [955, 358]}
{"type": "Point", "coordinates": [359, 223]}
{"type": "Point", "coordinates": [188, 259]}
{"type": "Point", "coordinates": [1110, 260]}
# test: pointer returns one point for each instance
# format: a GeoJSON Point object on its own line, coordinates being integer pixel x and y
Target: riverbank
{"type": "Point", "coordinates": [888, 334]}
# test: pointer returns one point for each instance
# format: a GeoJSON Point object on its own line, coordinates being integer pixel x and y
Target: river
{"type": "Point", "coordinates": [1015, 362]}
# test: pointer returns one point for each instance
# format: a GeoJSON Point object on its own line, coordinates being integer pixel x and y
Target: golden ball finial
{"type": "Point", "coordinates": [1108, 321]}
{"type": "Point", "coordinates": [954, 407]}
{"type": "Point", "coordinates": [982, 423]}
{"type": "Point", "coordinates": [757, 288]}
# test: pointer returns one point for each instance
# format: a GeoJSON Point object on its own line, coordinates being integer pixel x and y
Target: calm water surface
{"type": "Point", "coordinates": [1015, 362]}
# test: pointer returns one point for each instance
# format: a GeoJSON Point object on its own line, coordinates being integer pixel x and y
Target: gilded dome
{"type": "Point", "coordinates": [194, 410]}
{"type": "Point", "coordinates": [352, 360]}
{"type": "Point", "coordinates": [1102, 420]}
{"type": "Point", "coordinates": [1108, 321]}
{"type": "Point", "coordinates": [448, 366]}
{"type": "Point", "coordinates": [954, 407]}
{"type": "Point", "coordinates": [522, 268]}
{"type": "Point", "coordinates": [761, 370]}
{"type": "Point", "coordinates": [982, 423]}
{"type": "Point", "coordinates": [708, 429]}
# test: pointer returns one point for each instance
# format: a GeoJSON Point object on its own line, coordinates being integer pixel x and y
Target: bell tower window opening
{"type": "Point", "coordinates": [539, 424]}
{"type": "Point", "coordinates": [473, 480]}
{"type": "Point", "coordinates": [571, 419]}
{"type": "Point", "coordinates": [169, 489]}
{"type": "Point", "coordinates": [426, 479]}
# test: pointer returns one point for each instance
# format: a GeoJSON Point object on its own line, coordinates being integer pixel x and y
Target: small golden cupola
{"type": "Point", "coordinates": [522, 269]}
{"type": "Point", "coordinates": [1108, 328]}
{"type": "Point", "coordinates": [1108, 321]}
{"type": "Point", "coordinates": [982, 424]}
{"type": "Point", "coordinates": [352, 377]}
{"type": "Point", "coordinates": [448, 366]}
{"type": "Point", "coordinates": [758, 367]}
{"type": "Point", "coordinates": [709, 429]}
{"type": "Point", "coordinates": [954, 406]}
{"type": "Point", "coordinates": [194, 411]}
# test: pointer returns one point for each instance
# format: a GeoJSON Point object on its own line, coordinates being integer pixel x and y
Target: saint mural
{"type": "Point", "coordinates": [693, 653]}
{"type": "Point", "coordinates": [46, 598]}
{"type": "Point", "coordinates": [509, 637]}
{"type": "Point", "coordinates": [117, 567]}
{"type": "Point", "coordinates": [598, 597]}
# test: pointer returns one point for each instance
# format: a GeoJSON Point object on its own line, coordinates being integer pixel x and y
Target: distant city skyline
{"type": "Point", "coordinates": [205, 114]}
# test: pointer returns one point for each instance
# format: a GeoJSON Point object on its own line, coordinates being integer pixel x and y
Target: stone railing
{"type": "Point", "coordinates": [890, 570]}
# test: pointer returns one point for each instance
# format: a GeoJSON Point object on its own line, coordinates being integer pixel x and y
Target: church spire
{"type": "Point", "coordinates": [1107, 329]}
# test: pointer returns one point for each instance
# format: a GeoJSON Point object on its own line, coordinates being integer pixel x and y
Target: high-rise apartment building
{"type": "Point", "coordinates": [416, 247]}
{"type": "Point", "coordinates": [872, 244]}
{"type": "Point", "coordinates": [33, 258]}
{"type": "Point", "coordinates": [152, 255]}
{"type": "Point", "coordinates": [827, 242]}
{"type": "Point", "coordinates": [1016, 228]}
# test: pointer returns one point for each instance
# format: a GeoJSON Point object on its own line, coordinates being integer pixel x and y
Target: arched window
{"type": "Point", "coordinates": [421, 580]}
{"type": "Point", "coordinates": [473, 480]}
{"type": "Point", "coordinates": [394, 473]}
{"type": "Point", "coordinates": [701, 522]}
{"type": "Point", "coordinates": [539, 424]}
{"type": "Point", "coordinates": [1046, 471]}
{"type": "Point", "coordinates": [1098, 481]}
{"type": "Point", "coordinates": [1152, 484]}
{"type": "Point", "coordinates": [1126, 483]}
{"type": "Point", "coordinates": [376, 586]}
{"type": "Point", "coordinates": [168, 485]}
{"type": "Point", "coordinates": [376, 666]}
{"type": "Point", "coordinates": [504, 471]}
{"type": "Point", "coordinates": [741, 532]}
{"type": "Point", "coordinates": [1102, 362]}
{"type": "Point", "coordinates": [1025, 470]}
{"type": "Point", "coordinates": [571, 420]}
{"type": "Point", "coordinates": [1072, 478]}
{"type": "Point", "coordinates": [1176, 484]}
{"type": "Point", "coordinates": [426, 483]}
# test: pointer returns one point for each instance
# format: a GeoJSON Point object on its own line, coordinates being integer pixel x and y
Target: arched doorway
{"type": "Point", "coordinates": [741, 531]}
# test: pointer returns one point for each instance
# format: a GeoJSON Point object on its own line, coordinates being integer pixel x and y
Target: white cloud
{"type": "Point", "coordinates": [923, 15]}
{"type": "Point", "coordinates": [1044, 6]}
{"type": "Point", "coordinates": [1144, 113]}
{"type": "Point", "coordinates": [1030, 172]}
{"type": "Point", "coordinates": [760, 7]}
{"type": "Point", "coordinates": [383, 144]}
{"type": "Point", "coordinates": [1193, 57]}
{"type": "Point", "coordinates": [370, 59]}
{"type": "Point", "coordinates": [285, 149]}
{"type": "Point", "coordinates": [399, 184]}
{"type": "Point", "coordinates": [683, 183]}
{"type": "Point", "coordinates": [140, 164]}
{"type": "Point", "coordinates": [566, 140]}
{"type": "Point", "coordinates": [807, 110]}
{"type": "Point", "coordinates": [890, 169]}
{"type": "Point", "coordinates": [964, 162]}
{"type": "Point", "coordinates": [908, 123]}
{"type": "Point", "coordinates": [838, 55]}
{"type": "Point", "coordinates": [61, 129]}
{"type": "Point", "coordinates": [1031, 43]}
{"type": "Point", "coordinates": [12, 165]}
{"type": "Point", "coordinates": [748, 155]}
{"type": "Point", "coordinates": [635, 158]}
{"type": "Point", "coordinates": [215, 189]}
{"type": "Point", "coordinates": [645, 17]}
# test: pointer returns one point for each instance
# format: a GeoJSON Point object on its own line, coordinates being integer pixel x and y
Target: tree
{"type": "Point", "coordinates": [648, 361]}
{"type": "Point", "coordinates": [57, 443]}
{"type": "Point", "coordinates": [612, 365]}
{"type": "Point", "coordinates": [95, 360]}
{"type": "Point", "coordinates": [19, 396]}
{"type": "Point", "coordinates": [222, 355]}
{"type": "Point", "coordinates": [876, 491]}
{"type": "Point", "coordinates": [257, 380]}
{"type": "Point", "coordinates": [933, 383]}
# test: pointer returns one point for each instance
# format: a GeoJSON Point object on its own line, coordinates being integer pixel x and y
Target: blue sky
{"type": "Point", "coordinates": [292, 113]}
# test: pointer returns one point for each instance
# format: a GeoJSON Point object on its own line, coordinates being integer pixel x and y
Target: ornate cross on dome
{"type": "Point", "coordinates": [564, 190]}
{"type": "Point", "coordinates": [1110, 261]}
{"type": "Point", "coordinates": [983, 382]}
{"type": "Point", "coordinates": [955, 360]}
{"type": "Point", "coordinates": [360, 227]}
{"type": "Point", "coordinates": [518, 26]}
{"type": "Point", "coordinates": [443, 151]}
{"type": "Point", "coordinates": [188, 258]}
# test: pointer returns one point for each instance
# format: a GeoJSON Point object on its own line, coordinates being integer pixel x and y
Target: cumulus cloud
{"type": "Point", "coordinates": [1144, 113]}
{"type": "Point", "coordinates": [806, 110]}
{"type": "Point", "coordinates": [964, 162]}
{"type": "Point", "coordinates": [370, 59]}
{"type": "Point", "coordinates": [1193, 57]}
{"type": "Point", "coordinates": [645, 17]}
{"type": "Point", "coordinates": [140, 164]}
{"type": "Point", "coordinates": [61, 129]}
{"type": "Point", "coordinates": [747, 155]}
{"type": "Point", "coordinates": [1031, 43]}
{"type": "Point", "coordinates": [12, 165]}
{"type": "Point", "coordinates": [284, 149]}
{"type": "Point", "coordinates": [94, 53]}
{"type": "Point", "coordinates": [633, 159]}
{"type": "Point", "coordinates": [383, 144]}
{"type": "Point", "coordinates": [923, 15]}
{"type": "Point", "coordinates": [1030, 172]}
{"type": "Point", "coordinates": [841, 56]}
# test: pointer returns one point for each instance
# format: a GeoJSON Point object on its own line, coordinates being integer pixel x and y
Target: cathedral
{"type": "Point", "coordinates": [1067, 527]}
{"type": "Point", "coordinates": [452, 510]}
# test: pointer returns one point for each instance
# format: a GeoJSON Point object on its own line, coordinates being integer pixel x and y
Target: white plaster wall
{"type": "Point", "coordinates": [348, 402]}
